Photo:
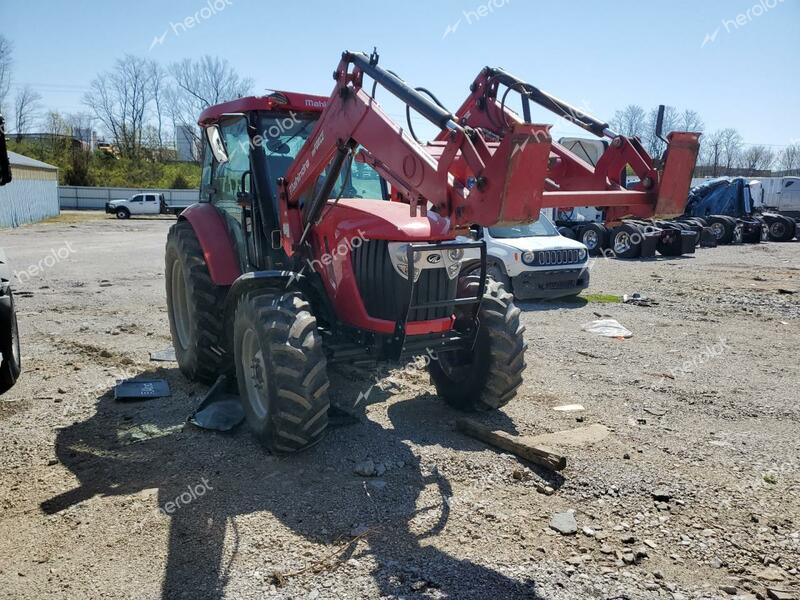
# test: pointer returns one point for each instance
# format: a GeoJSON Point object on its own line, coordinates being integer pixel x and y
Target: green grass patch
{"type": "Point", "coordinates": [601, 298]}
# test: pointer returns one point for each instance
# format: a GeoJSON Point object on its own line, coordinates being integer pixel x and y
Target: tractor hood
{"type": "Point", "coordinates": [382, 220]}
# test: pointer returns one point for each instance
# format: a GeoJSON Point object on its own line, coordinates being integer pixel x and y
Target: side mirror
{"type": "Point", "coordinates": [5, 166]}
{"type": "Point", "coordinates": [216, 143]}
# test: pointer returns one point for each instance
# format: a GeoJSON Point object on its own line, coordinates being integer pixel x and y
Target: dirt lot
{"type": "Point", "coordinates": [693, 493]}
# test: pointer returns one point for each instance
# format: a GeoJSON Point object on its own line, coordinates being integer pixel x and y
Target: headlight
{"type": "Point", "coordinates": [456, 254]}
{"type": "Point", "coordinates": [528, 257]}
{"type": "Point", "coordinates": [581, 254]}
{"type": "Point", "coordinates": [401, 254]}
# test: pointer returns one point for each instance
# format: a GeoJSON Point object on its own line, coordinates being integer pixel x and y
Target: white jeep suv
{"type": "Point", "coordinates": [535, 261]}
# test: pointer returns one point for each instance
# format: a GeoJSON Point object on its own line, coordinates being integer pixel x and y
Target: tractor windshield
{"type": "Point", "coordinates": [282, 135]}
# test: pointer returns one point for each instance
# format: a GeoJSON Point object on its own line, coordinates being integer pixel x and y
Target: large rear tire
{"type": "Point", "coordinates": [11, 365]}
{"type": "Point", "coordinates": [281, 369]}
{"type": "Point", "coordinates": [722, 228]}
{"type": "Point", "coordinates": [486, 377]}
{"type": "Point", "coordinates": [626, 241]}
{"type": "Point", "coordinates": [194, 305]}
{"type": "Point", "coordinates": [781, 229]}
{"type": "Point", "coordinates": [595, 237]}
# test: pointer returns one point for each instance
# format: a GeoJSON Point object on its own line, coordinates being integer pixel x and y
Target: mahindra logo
{"type": "Point", "coordinates": [434, 258]}
{"type": "Point", "coordinates": [316, 103]}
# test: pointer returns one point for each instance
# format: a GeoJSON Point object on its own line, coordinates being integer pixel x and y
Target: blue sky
{"type": "Point", "coordinates": [597, 55]}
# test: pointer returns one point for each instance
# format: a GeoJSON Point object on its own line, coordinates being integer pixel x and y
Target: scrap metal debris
{"type": "Point", "coordinates": [220, 409]}
{"type": "Point", "coordinates": [638, 300]}
{"type": "Point", "coordinates": [141, 389]}
{"type": "Point", "coordinates": [166, 355]}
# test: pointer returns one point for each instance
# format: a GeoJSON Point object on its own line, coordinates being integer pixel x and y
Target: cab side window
{"type": "Point", "coordinates": [227, 177]}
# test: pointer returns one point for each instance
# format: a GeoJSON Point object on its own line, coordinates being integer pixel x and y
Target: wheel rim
{"type": "Point", "coordinates": [591, 239]}
{"type": "Point", "coordinates": [718, 229]}
{"type": "Point", "coordinates": [180, 305]}
{"type": "Point", "coordinates": [778, 229]}
{"type": "Point", "coordinates": [255, 373]}
{"type": "Point", "coordinates": [622, 242]}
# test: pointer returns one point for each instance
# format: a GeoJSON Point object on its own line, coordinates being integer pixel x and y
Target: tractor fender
{"type": "Point", "coordinates": [218, 248]}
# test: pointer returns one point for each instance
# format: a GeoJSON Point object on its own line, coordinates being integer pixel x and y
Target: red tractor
{"type": "Point", "coordinates": [325, 233]}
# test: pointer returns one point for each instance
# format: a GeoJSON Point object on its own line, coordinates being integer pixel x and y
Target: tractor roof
{"type": "Point", "coordinates": [285, 101]}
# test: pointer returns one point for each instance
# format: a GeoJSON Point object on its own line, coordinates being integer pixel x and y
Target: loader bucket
{"type": "Point", "coordinates": [515, 178]}
{"type": "Point", "coordinates": [673, 190]}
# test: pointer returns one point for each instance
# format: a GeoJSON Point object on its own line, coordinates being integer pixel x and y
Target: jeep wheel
{"type": "Point", "coordinates": [9, 344]}
{"type": "Point", "coordinates": [498, 273]}
{"type": "Point", "coordinates": [487, 376]}
{"type": "Point", "coordinates": [281, 369]}
{"type": "Point", "coordinates": [194, 305]}
{"type": "Point", "coordinates": [123, 213]}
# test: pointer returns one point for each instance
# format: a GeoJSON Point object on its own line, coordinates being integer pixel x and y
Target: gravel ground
{"type": "Point", "coordinates": [692, 490]}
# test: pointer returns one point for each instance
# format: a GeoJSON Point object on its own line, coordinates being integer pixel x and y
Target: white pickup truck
{"type": "Point", "coordinates": [535, 260]}
{"type": "Point", "coordinates": [146, 204]}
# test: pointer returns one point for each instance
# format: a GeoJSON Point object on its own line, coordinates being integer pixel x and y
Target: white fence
{"type": "Point", "coordinates": [94, 198]}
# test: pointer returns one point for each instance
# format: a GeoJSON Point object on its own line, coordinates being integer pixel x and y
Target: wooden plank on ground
{"type": "Point", "coordinates": [511, 443]}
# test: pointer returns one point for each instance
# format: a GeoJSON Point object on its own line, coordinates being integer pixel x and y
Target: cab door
{"type": "Point", "coordinates": [790, 195]}
{"type": "Point", "coordinates": [151, 205]}
{"type": "Point", "coordinates": [136, 204]}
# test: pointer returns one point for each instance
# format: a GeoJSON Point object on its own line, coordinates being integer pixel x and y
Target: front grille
{"type": "Point", "coordinates": [557, 257]}
{"type": "Point", "coordinates": [385, 293]}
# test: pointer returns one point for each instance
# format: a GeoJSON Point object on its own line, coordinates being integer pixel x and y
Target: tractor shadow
{"type": "Point", "coordinates": [125, 448]}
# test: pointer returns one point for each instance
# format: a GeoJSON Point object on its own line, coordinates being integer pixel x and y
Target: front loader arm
{"type": "Point", "coordinates": [465, 179]}
{"type": "Point", "coordinates": [571, 180]}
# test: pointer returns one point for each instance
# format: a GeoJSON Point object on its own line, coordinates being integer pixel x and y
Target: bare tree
{"type": "Point", "coordinates": [630, 121]}
{"type": "Point", "coordinates": [6, 61]}
{"type": "Point", "coordinates": [200, 84]}
{"type": "Point", "coordinates": [689, 120]}
{"type": "Point", "coordinates": [26, 107]}
{"type": "Point", "coordinates": [654, 146]}
{"type": "Point", "coordinates": [756, 158]}
{"type": "Point", "coordinates": [158, 77]}
{"type": "Point", "coordinates": [121, 99]}
{"type": "Point", "coordinates": [711, 151]}
{"type": "Point", "coordinates": [790, 158]}
{"type": "Point", "coordinates": [731, 144]}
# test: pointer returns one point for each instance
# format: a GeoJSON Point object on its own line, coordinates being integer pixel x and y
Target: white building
{"type": "Point", "coordinates": [32, 194]}
{"type": "Point", "coordinates": [185, 143]}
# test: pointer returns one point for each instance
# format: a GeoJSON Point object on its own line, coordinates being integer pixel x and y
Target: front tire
{"type": "Point", "coordinates": [486, 377]}
{"type": "Point", "coordinates": [11, 365]}
{"type": "Point", "coordinates": [194, 305]}
{"type": "Point", "coordinates": [123, 213]}
{"type": "Point", "coordinates": [281, 370]}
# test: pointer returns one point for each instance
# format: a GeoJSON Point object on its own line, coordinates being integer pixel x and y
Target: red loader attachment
{"type": "Point", "coordinates": [568, 180]}
{"type": "Point", "coordinates": [463, 179]}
